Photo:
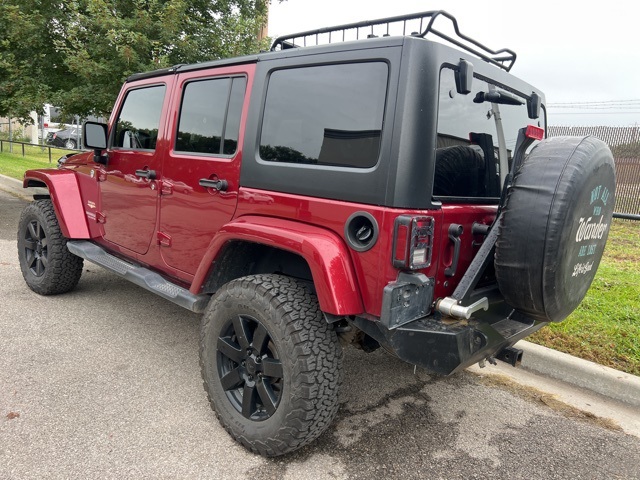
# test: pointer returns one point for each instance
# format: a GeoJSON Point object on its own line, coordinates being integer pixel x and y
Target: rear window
{"type": "Point", "coordinates": [325, 115]}
{"type": "Point", "coordinates": [473, 134]}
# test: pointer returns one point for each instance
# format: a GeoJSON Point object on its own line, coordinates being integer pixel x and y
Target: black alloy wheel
{"type": "Point", "coordinates": [48, 267]}
{"type": "Point", "coordinates": [36, 248]}
{"type": "Point", "coordinates": [249, 368]}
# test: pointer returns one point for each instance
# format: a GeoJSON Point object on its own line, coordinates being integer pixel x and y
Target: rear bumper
{"type": "Point", "coordinates": [446, 346]}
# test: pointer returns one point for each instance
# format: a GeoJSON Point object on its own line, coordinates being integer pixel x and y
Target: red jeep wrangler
{"type": "Point", "coordinates": [386, 191]}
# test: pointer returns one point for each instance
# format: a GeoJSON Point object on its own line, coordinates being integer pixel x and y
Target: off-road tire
{"type": "Point", "coordinates": [459, 172]}
{"type": "Point", "coordinates": [308, 350]}
{"type": "Point", "coordinates": [55, 270]}
{"type": "Point", "coordinates": [555, 225]}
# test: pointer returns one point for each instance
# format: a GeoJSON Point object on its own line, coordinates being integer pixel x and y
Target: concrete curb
{"type": "Point", "coordinates": [582, 373]}
{"type": "Point", "coordinates": [12, 186]}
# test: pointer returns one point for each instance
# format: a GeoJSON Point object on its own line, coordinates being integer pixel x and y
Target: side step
{"type": "Point", "coordinates": [141, 276]}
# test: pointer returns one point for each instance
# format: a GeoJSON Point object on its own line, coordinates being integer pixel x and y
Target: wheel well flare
{"type": "Point", "coordinates": [270, 245]}
{"type": "Point", "coordinates": [65, 195]}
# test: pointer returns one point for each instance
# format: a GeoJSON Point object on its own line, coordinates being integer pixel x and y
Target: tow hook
{"type": "Point", "coordinates": [510, 355]}
{"type": "Point", "coordinates": [483, 363]}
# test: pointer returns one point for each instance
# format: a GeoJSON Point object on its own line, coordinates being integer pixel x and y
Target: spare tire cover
{"type": "Point", "coordinates": [555, 225]}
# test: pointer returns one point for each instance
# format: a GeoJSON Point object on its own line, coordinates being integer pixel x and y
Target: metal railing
{"type": "Point", "coordinates": [423, 23]}
{"type": "Point", "coordinates": [8, 147]}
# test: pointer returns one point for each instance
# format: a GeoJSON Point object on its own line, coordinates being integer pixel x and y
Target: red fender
{"type": "Point", "coordinates": [65, 195]}
{"type": "Point", "coordinates": [325, 252]}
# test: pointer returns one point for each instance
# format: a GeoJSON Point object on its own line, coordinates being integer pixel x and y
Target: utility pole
{"type": "Point", "coordinates": [264, 31]}
{"type": "Point", "coordinates": [10, 136]}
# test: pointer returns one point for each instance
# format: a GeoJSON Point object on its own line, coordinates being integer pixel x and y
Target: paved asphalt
{"type": "Point", "coordinates": [104, 382]}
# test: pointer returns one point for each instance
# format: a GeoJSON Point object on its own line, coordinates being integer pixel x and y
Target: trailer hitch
{"type": "Point", "coordinates": [510, 355]}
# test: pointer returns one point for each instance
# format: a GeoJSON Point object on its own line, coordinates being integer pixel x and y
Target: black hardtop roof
{"type": "Point", "coordinates": [194, 66]}
{"type": "Point", "coordinates": [271, 55]}
{"type": "Point", "coordinates": [378, 36]}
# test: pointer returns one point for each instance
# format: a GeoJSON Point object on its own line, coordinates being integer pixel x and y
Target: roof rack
{"type": "Point", "coordinates": [503, 58]}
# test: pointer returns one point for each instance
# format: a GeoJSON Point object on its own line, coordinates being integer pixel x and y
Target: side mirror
{"type": "Point", "coordinates": [464, 77]}
{"type": "Point", "coordinates": [94, 135]}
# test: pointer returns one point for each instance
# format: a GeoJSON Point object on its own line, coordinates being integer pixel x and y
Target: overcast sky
{"type": "Point", "coordinates": [572, 51]}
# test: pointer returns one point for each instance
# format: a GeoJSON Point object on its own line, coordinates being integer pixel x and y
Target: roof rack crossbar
{"type": "Point", "coordinates": [503, 58]}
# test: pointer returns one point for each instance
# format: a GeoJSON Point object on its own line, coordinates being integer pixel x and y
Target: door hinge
{"type": "Point", "coordinates": [164, 240]}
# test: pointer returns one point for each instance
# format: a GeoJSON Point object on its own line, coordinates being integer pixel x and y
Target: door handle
{"type": "Point", "coordinates": [220, 185]}
{"type": "Point", "coordinates": [148, 174]}
{"type": "Point", "coordinates": [455, 231]}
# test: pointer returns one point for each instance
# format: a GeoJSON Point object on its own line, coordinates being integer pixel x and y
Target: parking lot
{"type": "Point", "coordinates": [104, 382]}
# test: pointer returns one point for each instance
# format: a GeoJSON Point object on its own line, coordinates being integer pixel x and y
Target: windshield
{"type": "Point", "coordinates": [476, 137]}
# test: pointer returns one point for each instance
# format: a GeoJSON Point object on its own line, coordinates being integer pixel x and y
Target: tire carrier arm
{"type": "Point", "coordinates": [452, 306]}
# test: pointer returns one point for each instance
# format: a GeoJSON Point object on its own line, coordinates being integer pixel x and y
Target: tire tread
{"type": "Point", "coordinates": [64, 269]}
{"type": "Point", "coordinates": [312, 349]}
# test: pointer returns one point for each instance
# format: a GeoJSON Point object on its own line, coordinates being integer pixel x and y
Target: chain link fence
{"type": "Point", "coordinates": [624, 142]}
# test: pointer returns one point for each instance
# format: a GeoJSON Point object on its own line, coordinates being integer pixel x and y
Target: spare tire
{"type": "Point", "coordinates": [460, 172]}
{"type": "Point", "coordinates": [555, 225]}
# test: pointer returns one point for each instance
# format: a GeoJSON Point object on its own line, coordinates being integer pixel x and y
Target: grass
{"type": "Point", "coordinates": [14, 164]}
{"type": "Point", "coordinates": [605, 328]}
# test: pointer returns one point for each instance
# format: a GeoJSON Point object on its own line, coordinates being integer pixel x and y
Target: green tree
{"type": "Point", "coordinates": [77, 53]}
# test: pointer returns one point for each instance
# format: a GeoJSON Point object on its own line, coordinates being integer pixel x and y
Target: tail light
{"type": "Point", "coordinates": [412, 242]}
{"type": "Point", "coordinates": [534, 132]}
{"type": "Point", "coordinates": [55, 135]}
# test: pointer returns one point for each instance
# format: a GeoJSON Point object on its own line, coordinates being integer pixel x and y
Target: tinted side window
{"type": "Point", "coordinates": [325, 115]}
{"type": "Point", "coordinates": [210, 116]}
{"type": "Point", "coordinates": [137, 125]}
{"type": "Point", "coordinates": [233, 116]}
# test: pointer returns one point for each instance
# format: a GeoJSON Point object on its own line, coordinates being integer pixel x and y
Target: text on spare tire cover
{"type": "Point", "coordinates": [590, 229]}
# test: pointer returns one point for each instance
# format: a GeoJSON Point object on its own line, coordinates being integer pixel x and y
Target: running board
{"type": "Point", "coordinates": [141, 276]}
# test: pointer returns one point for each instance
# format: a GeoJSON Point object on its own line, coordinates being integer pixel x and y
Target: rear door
{"type": "Point", "coordinates": [201, 169]}
{"type": "Point", "coordinates": [476, 139]}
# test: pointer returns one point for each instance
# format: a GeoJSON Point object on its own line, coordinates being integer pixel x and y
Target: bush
{"type": "Point", "coordinates": [17, 134]}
